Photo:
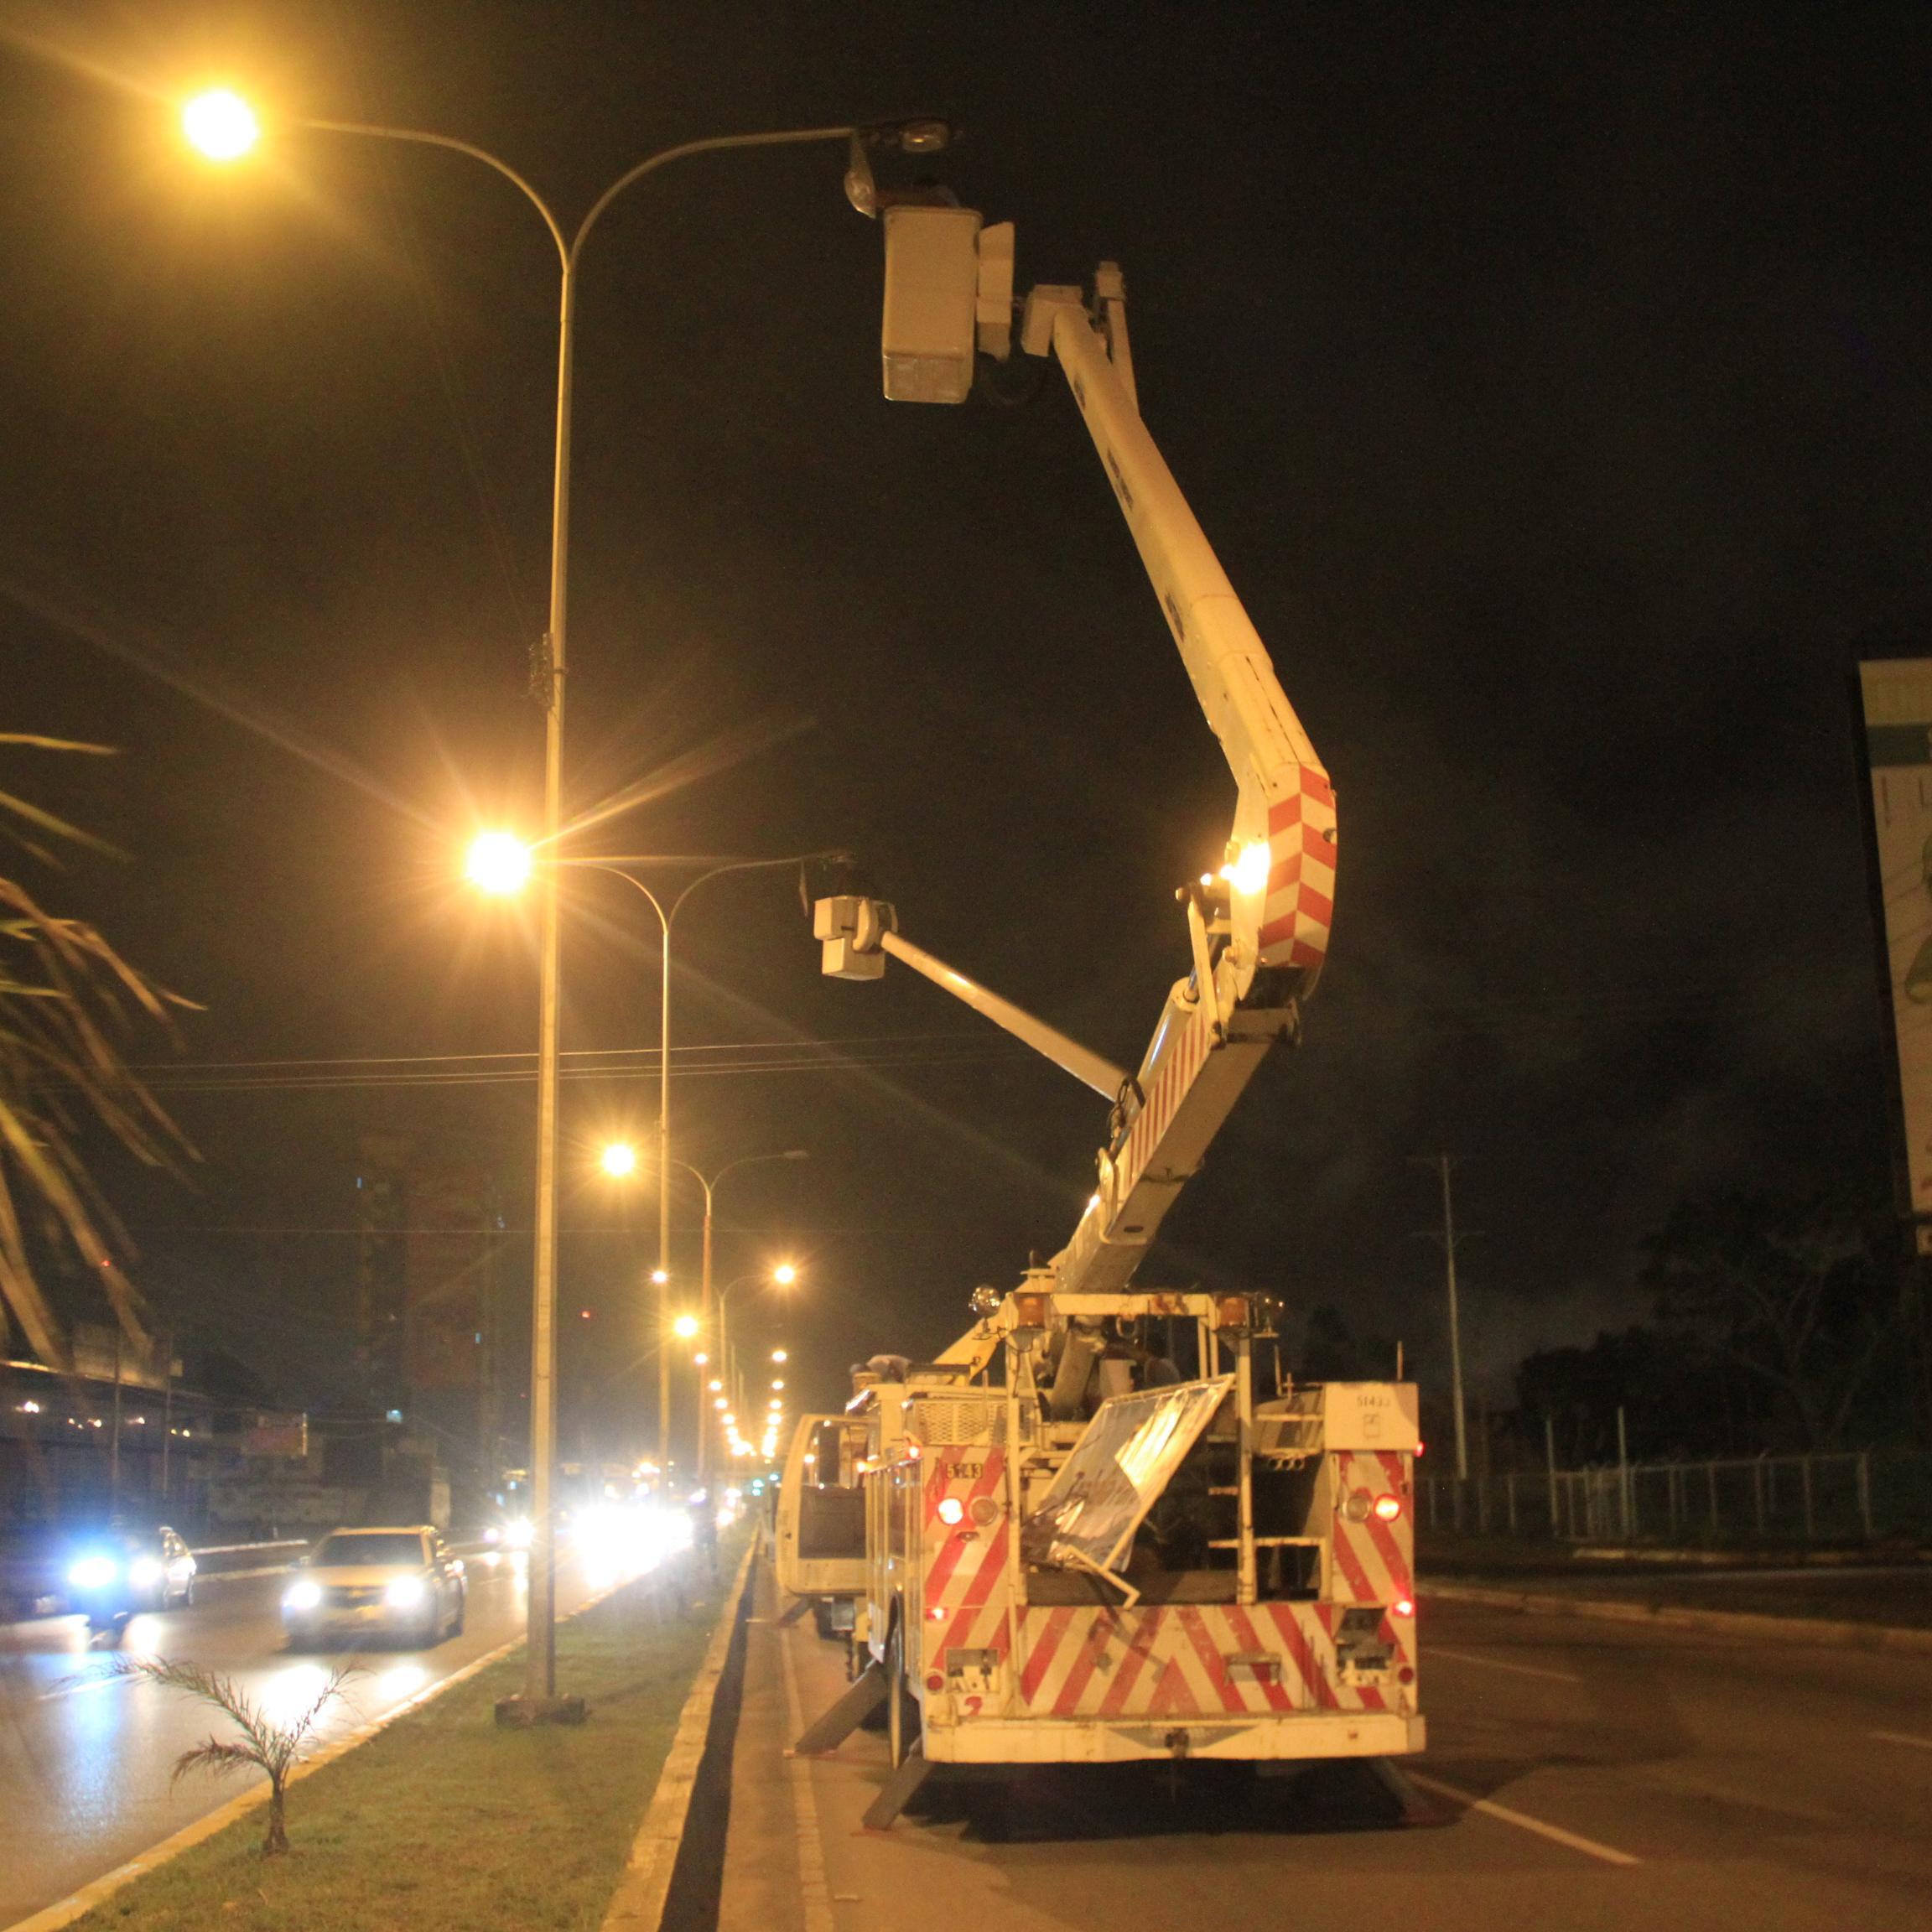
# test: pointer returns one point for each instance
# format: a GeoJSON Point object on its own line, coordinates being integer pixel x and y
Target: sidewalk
{"type": "Point", "coordinates": [797, 1857]}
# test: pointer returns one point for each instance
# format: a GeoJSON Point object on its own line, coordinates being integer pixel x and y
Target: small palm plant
{"type": "Point", "coordinates": [273, 1749]}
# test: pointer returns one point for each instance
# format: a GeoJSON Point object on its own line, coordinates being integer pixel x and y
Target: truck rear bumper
{"type": "Point", "coordinates": [1080, 1741]}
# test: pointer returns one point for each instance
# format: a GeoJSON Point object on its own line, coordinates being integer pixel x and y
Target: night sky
{"type": "Point", "coordinates": [1552, 383]}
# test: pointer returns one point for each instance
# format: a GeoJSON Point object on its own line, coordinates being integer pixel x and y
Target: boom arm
{"type": "Point", "coordinates": [1258, 931]}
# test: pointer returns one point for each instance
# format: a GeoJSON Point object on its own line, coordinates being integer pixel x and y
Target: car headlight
{"type": "Point", "coordinates": [516, 1534]}
{"type": "Point", "coordinates": [405, 1593]}
{"type": "Point", "coordinates": [93, 1573]}
{"type": "Point", "coordinates": [303, 1596]}
{"type": "Point", "coordinates": [145, 1573]}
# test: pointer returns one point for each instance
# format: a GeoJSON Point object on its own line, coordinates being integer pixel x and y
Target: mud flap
{"type": "Point", "coordinates": [829, 1731]}
{"type": "Point", "coordinates": [896, 1793]}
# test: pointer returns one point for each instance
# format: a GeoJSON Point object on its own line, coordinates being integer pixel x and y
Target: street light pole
{"type": "Point", "coordinates": [540, 1693]}
{"type": "Point", "coordinates": [710, 1187]}
{"type": "Point", "coordinates": [666, 920]}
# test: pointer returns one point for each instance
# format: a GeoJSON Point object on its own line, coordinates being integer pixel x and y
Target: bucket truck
{"type": "Point", "coordinates": [1087, 1532]}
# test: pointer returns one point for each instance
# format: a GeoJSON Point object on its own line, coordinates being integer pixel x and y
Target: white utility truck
{"type": "Point", "coordinates": [1089, 1533]}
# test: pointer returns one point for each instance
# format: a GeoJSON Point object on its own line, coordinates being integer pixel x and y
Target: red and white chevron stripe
{"type": "Point", "coordinates": [1374, 1561]}
{"type": "Point", "coordinates": [1187, 1660]}
{"type": "Point", "coordinates": [1159, 1106]}
{"type": "Point", "coordinates": [1300, 905]}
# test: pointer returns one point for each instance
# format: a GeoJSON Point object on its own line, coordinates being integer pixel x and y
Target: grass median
{"type": "Point", "coordinates": [443, 1823]}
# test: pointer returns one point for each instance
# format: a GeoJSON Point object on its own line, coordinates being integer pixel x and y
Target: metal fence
{"type": "Point", "coordinates": [1858, 1496]}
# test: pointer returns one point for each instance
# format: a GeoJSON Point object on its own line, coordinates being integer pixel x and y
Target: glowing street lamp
{"type": "Point", "coordinates": [499, 863]}
{"type": "Point", "coordinates": [779, 1355]}
{"type": "Point", "coordinates": [784, 1273]}
{"type": "Point", "coordinates": [618, 1159]}
{"type": "Point", "coordinates": [684, 1327]}
{"type": "Point", "coordinates": [220, 125]}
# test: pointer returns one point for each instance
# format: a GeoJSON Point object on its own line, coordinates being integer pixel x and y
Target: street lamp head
{"type": "Point", "coordinates": [684, 1327]}
{"type": "Point", "coordinates": [784, 1273]}
{"type": "Point", "coordinates": [660, 1275]}
{"type": "Point", "coordinates": [220, 125]}
{"type": "Point", "coordinates": [499, 863]}
{"type": "Point", "coordinates": [795, 1154]}
{"type": "Point", "coordinates": [618, 1159]}
{"type": "Point", "coordinates": [779, 1355]}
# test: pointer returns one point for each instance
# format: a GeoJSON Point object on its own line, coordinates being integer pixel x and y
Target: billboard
{"type": "Point", "coordinates": [1895, 696]}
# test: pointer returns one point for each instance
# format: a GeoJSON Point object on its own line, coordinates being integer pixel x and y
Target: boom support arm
{"type": "Point", "coordinates": [1281, 850]}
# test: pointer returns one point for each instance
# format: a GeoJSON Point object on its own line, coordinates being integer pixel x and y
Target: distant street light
{"type": "Point", "coordinates": [778, 1355]}
{"type": "Point", "coordinates": [666, 910]}
{"type": "Point", "coordinates": [710, 1185]}
{"type": "Point", "coordinates": [220, 125]}
{"type": "Point", "coordinates": [618, 1159]}
{"type": "Point", "coordinates": [684, 1327]}
{"type": "Point", "coordinates": [784, 1275]}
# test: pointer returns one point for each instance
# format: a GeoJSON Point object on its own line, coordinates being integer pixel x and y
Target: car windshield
{"type": "Point", "coordinates": [388, 1546]}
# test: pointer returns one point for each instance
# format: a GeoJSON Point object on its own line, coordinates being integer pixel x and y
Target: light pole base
{"type": "Point", "coordinates": [519, 1713]}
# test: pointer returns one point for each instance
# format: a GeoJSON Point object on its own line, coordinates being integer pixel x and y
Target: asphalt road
{"type": "Point", "coordinates": [1588, 1775]}
{"type": "Point", "coordinates": [83, 1766]}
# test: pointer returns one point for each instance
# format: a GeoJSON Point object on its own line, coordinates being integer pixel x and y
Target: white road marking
{"type": "Point", "coordinates": [85, 1685]}
{"type": "Point", "coordinates": [1903, 1737]}
{"type": "Point", "coordinates": [1497, 1663]}
{"type": "Point", "coordinates": [805, 1806]}
{"type": "Point", "coordinates": [1522, 1820]}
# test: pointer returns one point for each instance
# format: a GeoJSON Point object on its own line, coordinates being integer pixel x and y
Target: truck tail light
{"type": "Point", "coordinates": [1388, 1508]}
{"type": "Point", "coordinates": [951, 1510]}
{"type": "Point", "coordinates": [934, 1681]}
{"type": "Point", "coordinates": [1402, 1607]}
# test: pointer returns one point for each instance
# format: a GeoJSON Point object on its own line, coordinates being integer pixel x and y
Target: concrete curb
{"type": "Point", "coordinates": [1813, 1631]}
{"type": "Point", "coordinates": [66, 1911]}
{"type": "Point", "coordinates": [643, 1896]}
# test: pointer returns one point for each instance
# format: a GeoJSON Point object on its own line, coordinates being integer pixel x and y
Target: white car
{"type": "Point", "coordinates": [401, 1584]}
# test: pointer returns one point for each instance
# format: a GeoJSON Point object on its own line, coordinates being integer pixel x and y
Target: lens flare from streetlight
{"type": "Point", "coordinates": [618, 1159]}
{"type": "Point", "coordinates": [784, 1273]}
{"type": "Point", "coordinates": [499, 862]}
{"type": "Point", "coordinates": [684, 1327]}
{"type": "Point", "coordinates": [220, 125]}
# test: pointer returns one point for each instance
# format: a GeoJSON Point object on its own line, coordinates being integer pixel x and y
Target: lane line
{"type": "Point", "coordinates": [1901, 1737]}
{"type": "Point", "coordinates": [1522, 1820]}
{"type": "Point", "coordinates": [1497, 1663]}
{"type": "Point", "coordinates": [813, 1891]}
{"type": "Point", "coordinates": [85, 1685]}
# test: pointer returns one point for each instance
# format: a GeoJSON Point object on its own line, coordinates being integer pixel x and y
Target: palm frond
{"type": "Point", "coordinates": [212, 1755]}
{"type": "Point", "coordinates": [35, 815]}
{"type": "Point", "coordinates": [68, 1000]}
